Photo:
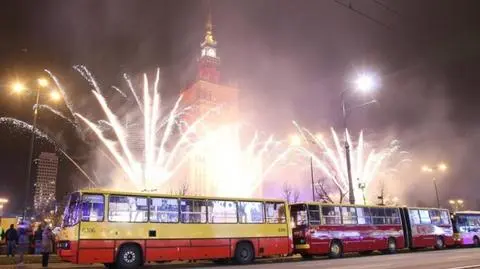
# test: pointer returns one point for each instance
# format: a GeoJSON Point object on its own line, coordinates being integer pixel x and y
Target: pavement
{"type": "Point", "coordinates": [466, 258]}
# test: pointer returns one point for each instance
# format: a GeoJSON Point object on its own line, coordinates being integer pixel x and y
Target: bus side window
{"type": "Point", "coordinates": [222, 211]}
{"type": "Point", "coordinates": [250, 212]}
{"type": "Point", "coordinates": [378, 215]}
{"type": "Point", "coordinates": [93, 207]}
{"type": "Point", "coordinates": [193, 211]}
{"type": "Point", "coordinates": [127, 209]}
{"type": "Point", "coordinates": [363, 215]}
{"type": "Point", "coordinates": [435, 216]}
{"type": "Point", "coordinates": [275, 212]}
{"type": "Point", "coordinates": [445, 217]}
{"type": "Point", "coordinates": [414, 216]}
{"type": "Point", "coordinates": [331, 215]}
{"type": "Point", "coordinates": [392, 216]}
{"type": "Point", "coordinates": [349, 215]}
{"type": "Point", "coordinates": [424, 216]}
{"type": "Point", "coordinates": [314, 214]}
{"type": "Point", "coordinates": [164, 210]}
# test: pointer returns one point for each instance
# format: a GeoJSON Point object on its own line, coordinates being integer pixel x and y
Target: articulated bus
{"type": "Point", "coordinates": [466, 226]}
{"type": "Point", "coordinates": [328, 229]}
{"type": "Point", "coordinates": [126, 230]}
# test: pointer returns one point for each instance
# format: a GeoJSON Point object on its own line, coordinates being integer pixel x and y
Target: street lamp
{"type": "Point", "coordinates": [296, 140]}
{"type": "Point", "coordinates": [441, 167]}
{"type": "Point", "coordinates": [456, 204]}
{"type": "Point", "coordinates": [3, 201]}
{"type": "Point", "coordinates": [364, 83]}
{"type": "Point", "coordinates": [19, 88]}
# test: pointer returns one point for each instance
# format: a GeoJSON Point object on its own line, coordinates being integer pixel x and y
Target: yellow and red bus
{"type": "Point", "coordinates": [126, 230]}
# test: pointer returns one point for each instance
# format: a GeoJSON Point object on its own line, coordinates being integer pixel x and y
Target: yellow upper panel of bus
{"type": "Point", "coordinates": [153, 194]}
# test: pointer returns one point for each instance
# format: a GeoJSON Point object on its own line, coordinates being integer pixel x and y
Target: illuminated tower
{"type": "Point", "coordinates": [206, 94]}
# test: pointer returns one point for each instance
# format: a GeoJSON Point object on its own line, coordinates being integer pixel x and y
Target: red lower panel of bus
{"type": "Point", "coordinates": [103, 251]}
{"type": "Point", "coordinates": [353, 238]}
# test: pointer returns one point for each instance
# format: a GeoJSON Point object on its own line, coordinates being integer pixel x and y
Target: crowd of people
{"type": "Point", "coordinates": [23, 240]}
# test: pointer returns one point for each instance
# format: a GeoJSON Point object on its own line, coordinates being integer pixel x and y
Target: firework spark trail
{"type": "Point", "coordinates": [132, 89]}
{"type": "Point", "coordinates": [83, 70]}
{"type": "Point", "coordinates": [56, 112]}
{"type": "Point", "coordinates": [119, 91]}
{"type": "Point", "coordinates": [66, 99]}
{"type": "Point", "coordinates": [78, 166]}
{"type": "Point", "coordinates": [21, 125]}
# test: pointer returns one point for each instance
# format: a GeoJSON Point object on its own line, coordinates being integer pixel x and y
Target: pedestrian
{"type": "Point", "coordinates": [23, 243]}
{"type": "Point", "coordinates": [47, 245]}
{"type": "Point", "coordinates": [11, 236]}
{"type": "Point", "coordinates": [38, 239]}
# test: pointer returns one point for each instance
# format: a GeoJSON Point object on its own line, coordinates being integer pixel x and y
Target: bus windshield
{"type": "Point", "coordinates": [72, 212]}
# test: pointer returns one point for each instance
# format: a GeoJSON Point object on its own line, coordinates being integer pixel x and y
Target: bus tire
{"type": "Point", "coordinates": [336, 249]}
{"type": "Point", "coordinates": [129, 256]}
{"type": "Point", "coordinates": [439, 243]}
{"type": "Point", "coordinates": [476, 242]}
{"type": "Point", "coordinates": [244, 253]}
{"type": "Point", "coordinates": [391, 246]}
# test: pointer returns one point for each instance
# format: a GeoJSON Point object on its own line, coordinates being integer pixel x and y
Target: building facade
{"type": "Point", "coordinates": [215, 103]}
{"type": "Point", "coordinates": [45, 183]}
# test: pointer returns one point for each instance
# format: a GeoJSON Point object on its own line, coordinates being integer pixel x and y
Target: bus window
{"type": "Point", "coordinates": [424, 216]}
{"type": "Point", "coordinates": [392, 216]}
{"type": "Point", "coordinates": [222, 212]}
{"type": "Point", "coordinates": [127, 209]}
{"type": "Point", "coordinates": [435, 216]}
{"type": "Point", "coordinates": [164, 210]}
{"type": "Point", "coordinates": [414, 216]}
{"type": "Point", "coordinates": [378, 215]}
{"type": "Point", "coordinates": [71, 216]}
{"type": "Point", "coordinates": [193, 211]}
{"type": "Point", "coordinates": [445, 217]}
{"type": "Point", "coordinates": [275, 212]}
{"type": "Point", "coordinates": [331, 215]}
{"type": "Point", "coordinates": [349, 215]}
{"type": "Point", "coordinates": [314, 214]}
{"type": "Point", "coordinates": [299, 215]}
{"type": "Point", "coordinates": [93, 207]}
{"type": "Point", "coordinates": [363, 215]}
{"type": "Point", "coordinates": [250, 212]}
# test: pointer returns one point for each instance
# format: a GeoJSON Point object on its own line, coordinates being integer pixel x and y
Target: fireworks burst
{"type": "Point", "coordinates": [329, 157]}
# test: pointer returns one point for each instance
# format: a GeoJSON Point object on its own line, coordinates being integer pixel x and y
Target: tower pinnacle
{"type": "Point", "coordinates": [209, 39]}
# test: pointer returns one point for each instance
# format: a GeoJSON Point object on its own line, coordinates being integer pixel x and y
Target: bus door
{"type": "Point", "coordinates": [299, 220]}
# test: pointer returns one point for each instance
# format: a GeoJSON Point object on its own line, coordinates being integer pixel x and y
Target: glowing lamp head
{"type": "Point", "coordinates": [42, 82]}
{"type": "Point", "coordinates": [365, 83]}
{"type": "Point", "coordinates": [460, 202]}
{"type": "Point", "coordinates": [18, 87]}
{"type": "Point", "coordinates": [295, 140]}
{"type": "Point", "coordinates": [55, 96]}
{"type": "Point", "coordinates": [426, 169]}
{"type": "Point", "coordinates": [451, 202]}
{"type": "Point", "coordinates": [442, 167]}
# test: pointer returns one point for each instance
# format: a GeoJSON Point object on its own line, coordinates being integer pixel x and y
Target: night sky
{"type": "Point", "coordinates": [289, 58]}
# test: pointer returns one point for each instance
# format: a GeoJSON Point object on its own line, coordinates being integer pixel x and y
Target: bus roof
{"type": "Point", "coordinates": [359, 205]}
{"type": "Point", "coordinates": [469, 212]}
{"type": "Point", "coordinates": [337, 204]}
{"type": "Point", "coordinates": [154, 194]}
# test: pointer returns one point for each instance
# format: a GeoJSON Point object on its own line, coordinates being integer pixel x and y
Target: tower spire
{"type": "Point", "coordinates": [209, 40]}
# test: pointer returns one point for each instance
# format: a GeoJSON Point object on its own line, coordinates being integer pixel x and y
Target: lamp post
{"type": "Point", "coordinates": [364, 83]}
{"type": "Point", "coordinates": [20, 88]}
{"type": "Point", "coordinates": [296, 140]}
{"type": "Point", "coordinates": [441, 167]}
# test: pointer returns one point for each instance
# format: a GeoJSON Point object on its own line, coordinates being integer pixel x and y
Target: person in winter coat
{"type": "Point", "coordinates": [48, 240]}
{"type": "Point", "coordinates": [23, 243]}
{"type": "Point", "coordinates": [12, 237]}
{"type": "Point", "coordinates": [37, 238]}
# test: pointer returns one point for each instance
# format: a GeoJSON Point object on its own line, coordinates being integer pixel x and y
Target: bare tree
{"type": "Point", "coordinates": [290, 194]}
{"type": "Point", "coordinates": [181, 190]}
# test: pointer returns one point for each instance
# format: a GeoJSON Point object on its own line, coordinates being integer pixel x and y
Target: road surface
{"type": "Point", "coordinates": [445, 259]}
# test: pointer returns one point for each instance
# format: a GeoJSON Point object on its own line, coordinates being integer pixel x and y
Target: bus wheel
{"type": "Point", "coordinates": [129, 256]}
{"type": "Point", "coordinates": [476, 242]}
{"type": "Point", "coordinates": [391, 246]}
{"type": "Point", "coordinates": [244, 253]}
{"type": "Point", "coordinates": [336, 250]}
{"type": "Point", "coordinates": [439, 244]}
